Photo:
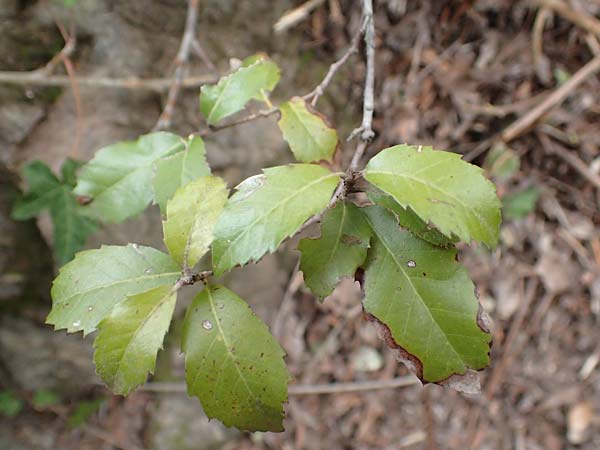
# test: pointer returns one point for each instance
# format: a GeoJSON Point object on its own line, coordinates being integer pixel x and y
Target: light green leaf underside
{"type": "Point", "coordinates": [130, 337]}
{"type": "Point", "coordinates": [266, 209]}
{"type": "Point", "coordinates": [440, 188]}
{"type": "Point", "coordinates": [71, 228]}
{"type": "Point", "coordinates": [119, 177]}
{"type": "Point", "coordinates": [233, 91]}
{"type": "Point", "coordinates": [339, 251]}
{"type": "Point", "coordinates": [232, 363]}
{"type": "Point", "coordinates": [174, 172]}
{"type": "Point", "coordinates": [191, 218]}
{"type": "Point", "coordinates": [310, 138]}
{"type": "Point", "coordinates": [87, 288]}
{"type": "Point", "coordinates": [409, 220]}
{"type": "Point", "coordinates": [425, 298]}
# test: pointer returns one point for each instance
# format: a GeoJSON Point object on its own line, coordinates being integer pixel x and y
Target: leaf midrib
{"type": "Point", "coordinates": [140, 327]}
{"type": "Point", "coordinates": [403, 271]}
{"type": "Point", "coordinates": [127, 280]}
{"type": "Point", "coordinates": [293, 109]}
{"type": "Point", "coordinates": [226, 343]}
{"type": "Point", "coordinates": [433, 187]}
{"type": "Point", "coordinates": [284, 200]}
{"type": "Point", "coordinates": [108, 187]}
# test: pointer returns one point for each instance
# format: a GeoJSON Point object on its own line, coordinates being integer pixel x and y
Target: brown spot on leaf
{"type": "Point", "coordinates": [351, 240]}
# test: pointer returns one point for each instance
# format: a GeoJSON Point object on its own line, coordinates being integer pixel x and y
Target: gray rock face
{"type": "Point", "coordinates": [179, 423]}
{"type": "Point", "coordinates": [37, 358]}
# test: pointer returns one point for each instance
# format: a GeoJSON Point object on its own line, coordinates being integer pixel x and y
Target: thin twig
{"type": "Point", "coordinates": [570, 158]}
{"type": "Point", "coordinates": [580, 19]}
{"type": "Point", "coordinates": [296, 15]}
{"type": "Point", "coordinates": [307, 389]}
{"type": "Point", "coordinates": [201, 53]}
{"type": "Point", "coordinates": [241, 120]}
{"type": "Point", "coordinates": [36, 78]}
{"type": "Point", "coordinates": [164, 120]}
{"type": "Point", "coordinates": [365, 131]}
{"type": "Point", "coordinates": [66, 51]}
{"type": "Point", "coordinates": [333, 69]}
{"type": "Point", "coordinates": [525, 122]}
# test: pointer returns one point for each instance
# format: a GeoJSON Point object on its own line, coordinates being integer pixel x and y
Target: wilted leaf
{"type": "Point", "coordinates": [232, 363]}
{"type": "Point", "coordinates": [87, 288]}
{"type": "Point", "coordinates": [233, 91]}
{"type": "Point", "coordinates": [119, 177]}
{"type": "Point", "coordinates": [340, 250]}
{"type": "Point", "coordinates": [191, 218]}
{"type": "Point", "coordinates": [310, 138]}
{"type": "Point", "coordinates": [424, 299]}
{"type": "Point", "coordinates": [409, 220]}
{"type": "Point", "coordinates": [440, 188]}
{"type": "Point", "coordinates": [268, 208]}
{"type": "Point", "coordinates": [175, 171]}
{"type": "Point", "coordinates": [130, 337]}
{"type": "Point", "coordinates": [71, 228]}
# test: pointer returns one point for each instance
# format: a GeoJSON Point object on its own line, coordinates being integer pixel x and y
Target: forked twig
{"type": "Point", "coordinates": [180, 61]}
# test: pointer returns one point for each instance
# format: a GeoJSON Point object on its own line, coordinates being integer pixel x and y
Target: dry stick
{"type": "Point", "coordinates": [36, 78]}
{"type": "Point", "coordinates": [570, 158]}
{"type": "Point", "coordinates": [525, 122]}
{"type": "Point", "coordinates": [180, 61]}
{"type": "Point", "coordinates": [365, 132]}
{"type": "Point", "coordinates": [580, 19]}
{"type": "Point", "coordinates": [296, 15]}
{"type": "Point", "coordinates": [307, 389]}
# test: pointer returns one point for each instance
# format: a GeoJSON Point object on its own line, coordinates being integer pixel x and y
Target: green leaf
{"type": "Point", "coordinates": [409, 220]}
{"type": "Point", "coordinates": [10, 404]}
{"type": "Point", "coordinates": [518, 204]}
{"type": "Point", "coordinates": [87, 288]}
{"type": "Point", "coordinates": [68, 171]}
{"type": "Point", "coordinates": [309, 136]}
{"type": "Point", "coordinates": [43, 399]}
{"type": "Point", "coordinates": [119, 177]}
{"type": "Point", "coordinates": [71, 227]}
{"type": "Point", "coordinates": [83, 411]}
{"type": "Point", "coordinates": [441, 188]}
{"type": "Point", "coordinates": [44, 187]}
{"type": "Point", "coordinates": [191, 218]}
{"type": "Point", "coordinates": [232, 363]}
{"type": "Point", "coordinates": [177, 170]}
{"type": "Point", "coordinates": [425, 300]}
{"type": "Point", "coordinates": [232, 92]}
{"type": "Point", "coordinates": [268, 208]}
{"type": "Point", "coordinates": [130, 337]}
{"type": "Point", "coordinates": [340, 250]}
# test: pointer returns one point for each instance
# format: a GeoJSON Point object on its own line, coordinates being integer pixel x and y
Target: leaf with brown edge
{"type": "Point", "coordinates": [425, 300]}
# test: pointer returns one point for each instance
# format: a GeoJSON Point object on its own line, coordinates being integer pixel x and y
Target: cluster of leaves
{"type": "Point", "coordinates": [422, 201]}
{"type": "Point", "coordinates": [47, 191]}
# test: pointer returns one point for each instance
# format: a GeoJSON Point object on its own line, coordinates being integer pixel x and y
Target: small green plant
{"type": "Point", "coordinates": [47, 191]}
{"type": "Point", "coordinates": [399, 244]}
